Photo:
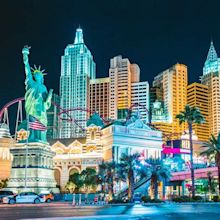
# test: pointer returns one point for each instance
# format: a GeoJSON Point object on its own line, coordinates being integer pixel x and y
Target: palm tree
{"type": "Point", "coordinates": [157, 171]}
{"type": "Point", "coordinates": [191, 115]}
{"type": "Point", "coordinates": [127, 167]}
{"type": "Point", "coordinates": [77, 180]}
{"type": "Point", "coordinates": [106, 175]}
{"type": "Point", "coordinates": [213, 151]}
{"type": "Point", "coordinates": [70, 186]}
{"type": "Point", "coordinates": [89, 179]}
{"type": "Point", "coordinates": [210, 183]}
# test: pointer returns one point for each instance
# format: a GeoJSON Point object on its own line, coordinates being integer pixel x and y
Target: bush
{"type": "Point", "coordinates": [148, 199]}
{"type": "Point", "coordinates": [215, 199]}
{"type": "Point", "coordinates": [197, 198]}
{"type": "Point", "coordinates": [187, 199]}
{"type": "Point", "coordinates": [156, 201]}
{"type": "Point", "coordinates": [145, 199]}
{"type": "Point", "coordinates": [117, 201]}
{"type": "Point", "coordinates": [182, 199]}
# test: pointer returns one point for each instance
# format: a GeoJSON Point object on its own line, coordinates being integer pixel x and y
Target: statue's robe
{"type": "Point", "coordinates": [36, 100]}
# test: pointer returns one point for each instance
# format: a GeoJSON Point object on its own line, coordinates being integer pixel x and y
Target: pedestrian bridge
{"type": "Point", "coordinates": [143, 184]}
{"type": "Point", "coordinates": [199, 174]}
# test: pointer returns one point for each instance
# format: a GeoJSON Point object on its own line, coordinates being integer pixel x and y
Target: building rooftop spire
{"type": "Point", "coordinates": [79, 36]}
{"type": "Point", "coordinates": [212, 55]}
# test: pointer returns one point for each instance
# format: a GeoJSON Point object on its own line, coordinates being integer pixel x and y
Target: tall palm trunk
{"type": "Point", "coordinates": [102, 187]}
{"type": "Point", "coordinates": [110, 185]}
{"type": "Point", "coordinates": [154, 186]}
{"type": "Point", "coordinates": [131, 185]}
{"type": "Point", "coordinates": [191, 159]}
{"type": "Point", "coordinates": [155, 190]}
{"type": "Point", "coordinates": [110, 190]}
{"type": "Point", "coordinates": [217, 159]}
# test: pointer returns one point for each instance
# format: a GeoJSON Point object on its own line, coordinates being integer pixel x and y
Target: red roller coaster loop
{"type": "Point", "coordinates": [8, 105]}
{"type": "Point", "coordinates": [69, 118]}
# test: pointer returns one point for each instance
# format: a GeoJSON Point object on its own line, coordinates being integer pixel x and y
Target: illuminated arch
{"type": "Point", "coordinates": [73, 170]}
{"type": "Point", "coordinates": [57, 175]}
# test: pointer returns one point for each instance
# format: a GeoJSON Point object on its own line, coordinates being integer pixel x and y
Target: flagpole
{"type": "Point", "coordinates": [26, 153]}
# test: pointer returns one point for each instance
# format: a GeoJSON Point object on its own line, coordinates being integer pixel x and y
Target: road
{"type": "Point", "coordinates": [149, 212]}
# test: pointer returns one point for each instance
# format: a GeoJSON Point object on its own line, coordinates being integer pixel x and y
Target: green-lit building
{"type": "Point", "coordinates": [77, 68]}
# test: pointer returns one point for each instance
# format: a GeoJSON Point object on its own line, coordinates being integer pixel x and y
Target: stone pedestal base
{"type": "Point", "coordinates": [40, 173]}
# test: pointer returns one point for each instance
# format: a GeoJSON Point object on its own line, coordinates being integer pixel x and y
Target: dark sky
{"type": "Point", "coordinates": [155, 34]}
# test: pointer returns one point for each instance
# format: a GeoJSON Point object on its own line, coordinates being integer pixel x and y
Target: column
{"type": "Point", "coordinates": [183, 188]}
{"type": "Point", "coordinates": [164, 190]}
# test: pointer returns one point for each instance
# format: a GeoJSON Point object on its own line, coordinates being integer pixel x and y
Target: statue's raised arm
{"type": "Point", "coordinates": [25, 52]}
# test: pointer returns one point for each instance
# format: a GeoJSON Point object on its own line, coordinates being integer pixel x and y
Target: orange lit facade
{"type": "Point", "coordinates": [99, 96]}
{"type": "Point", "coordinates": [121, 73]}
{"type": "Point", "coordinates": [173, 83]}
{"type": "Point", "coordinates": [197, 96]}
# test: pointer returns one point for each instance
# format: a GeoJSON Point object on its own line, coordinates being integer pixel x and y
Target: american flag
{"type": "Point", "coordinates": [37, 125]}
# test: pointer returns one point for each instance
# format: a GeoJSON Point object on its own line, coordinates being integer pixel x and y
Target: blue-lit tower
{"type": "Point", "coordinates": [212, 63]}
{"type": "Point", "coordinates": [211, 78]}
{"type": "Point", "coordinates": [77, 68]}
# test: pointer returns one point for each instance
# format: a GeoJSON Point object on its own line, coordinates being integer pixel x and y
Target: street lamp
{"type": "Point", "coordinates": [26, 154]}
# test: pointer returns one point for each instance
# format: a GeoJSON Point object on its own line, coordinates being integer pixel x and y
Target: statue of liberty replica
{"type": "Point", "coordinates": [37, 100]}
{"type": "Point", "coordinates": [32, 166]}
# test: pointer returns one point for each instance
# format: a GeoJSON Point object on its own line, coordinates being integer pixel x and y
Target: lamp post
{"type": "Point", "coordinates": [26, 154]}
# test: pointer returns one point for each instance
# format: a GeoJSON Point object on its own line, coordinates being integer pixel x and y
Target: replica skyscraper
{"type": "Point", "coordinates": [77, 68]}
{"type": "Point", "coordinates": [211, 78]}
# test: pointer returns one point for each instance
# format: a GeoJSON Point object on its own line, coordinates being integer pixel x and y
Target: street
{"type": "Point", "coordinates": [138, 211]}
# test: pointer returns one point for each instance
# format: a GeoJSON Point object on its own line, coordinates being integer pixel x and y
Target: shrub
{"type": "Point", "coordinates": [117, 201]}
{"type": "Point", "coordinates": [156, 201]}
{"type": "Point", "coordinates": [187, 199]}
{"type": "Point", "coordinates": [145, 199]}
{"type": "Point", "coordinates": [182, 199]}
{"type": "Point", "coordinates": [197, 198]}
{"type": "Point", "coordinates": [215, 199]}
{"type": "Point", "coordinates": [148, 199]}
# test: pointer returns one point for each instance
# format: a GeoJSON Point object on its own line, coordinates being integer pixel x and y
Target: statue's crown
{"type": "Point", "coordinates": [38, 70]}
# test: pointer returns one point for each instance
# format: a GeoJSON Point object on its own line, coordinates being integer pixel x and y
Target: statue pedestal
{"type": "Point", "coordinates": [40, 173]}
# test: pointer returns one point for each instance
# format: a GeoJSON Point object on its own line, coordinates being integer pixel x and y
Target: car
{"type": "Point", "coordinates": [5, 193]}
{"type": "Point", "coordinates": [137, 198]}
{"type": "Point", "coordinates": [24, 197]}
{"type": "Point", "coordinates": [46, 197]}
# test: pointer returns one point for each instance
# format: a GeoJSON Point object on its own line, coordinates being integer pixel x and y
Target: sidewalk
{"type": "Point", "coordinates": [113, 217]}
{"type": "Point", "coordinates": [55, 204]}
{"type": "Point", "coordinates": [88, 206]}
{"type": "Point", "coordinates": [52, 204]}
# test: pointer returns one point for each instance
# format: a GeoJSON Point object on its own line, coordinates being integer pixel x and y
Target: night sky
{"type": "Point", "coordinates": [155, 34]}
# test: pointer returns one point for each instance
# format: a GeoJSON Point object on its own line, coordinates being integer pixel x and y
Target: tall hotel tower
{"type": "Point", "coordinates": [126, 88]}
{"type": "Point", "coordinates": [211, 79]}
{"type": "Point", "coordinates": [197, 96]}
{"type": "Point", "coordinates": [173, 84]}
{"type": "Point", "coordinates": [77, 68]}
{"type": "Point", "coordinates": [99, 96]}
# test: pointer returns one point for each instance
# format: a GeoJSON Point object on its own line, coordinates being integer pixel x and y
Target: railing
{"type": "Point", "coordinates": [124, 191]}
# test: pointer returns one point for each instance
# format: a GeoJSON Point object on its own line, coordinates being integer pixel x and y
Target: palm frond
{"type": "Point", "coordinates": [190, 115]}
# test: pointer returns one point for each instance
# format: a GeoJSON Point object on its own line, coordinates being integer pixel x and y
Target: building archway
{"type": "Point", "coordinates": [57, 175]}
{"type": "Point", "coordinates": [73, 170]}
